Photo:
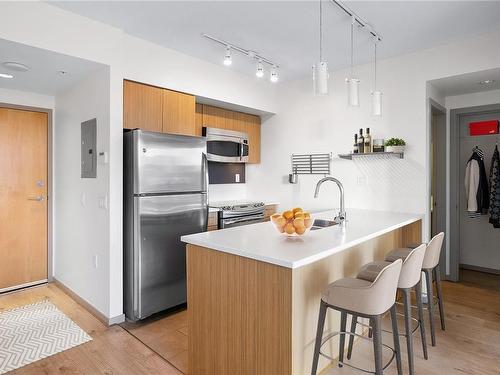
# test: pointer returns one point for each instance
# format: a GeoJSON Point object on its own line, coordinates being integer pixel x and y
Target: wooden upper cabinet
{"type": "Point", "coordinates": [250, 124]}
{"type": "Point", "coordinates": [179, 113]}
{"type": "Point", "coordinates": [215, 117]}
{"type": "Point", "coordinates": [142, 106]}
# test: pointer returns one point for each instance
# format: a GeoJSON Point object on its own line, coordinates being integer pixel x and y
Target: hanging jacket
{"type": "Point", "coordinates": [495, 189]}
{"type": "Point", "coordinates": [476, 185]}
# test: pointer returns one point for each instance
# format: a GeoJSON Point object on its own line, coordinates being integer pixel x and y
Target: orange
{"type": "Point", "coordinates": [275, 217]}
{"type": "Point", "coordinates": [288, 215]}
{"type": "Point", "coordinates": [297, 209]}
{"type": "Point", "coordinates": [280, 222]}
{"type": "Point", "coordinates": [289, 228]}
{"type": "Point", "coordinates": [299, 223]}
{"type": "Point", "coordinates": [308, 222]}
{"type": "Point", "coordinates": [300, 230]}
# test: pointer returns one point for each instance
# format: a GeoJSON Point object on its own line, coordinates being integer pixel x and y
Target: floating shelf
{"type": "Point", "coordinates": [399, 155]}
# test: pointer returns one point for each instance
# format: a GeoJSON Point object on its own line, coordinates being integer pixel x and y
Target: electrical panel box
{"type": "Point", "coordinates": [89, 152]}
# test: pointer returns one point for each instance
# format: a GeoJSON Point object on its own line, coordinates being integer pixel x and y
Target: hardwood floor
{"type": "Point", "coordinates": [470, 344]}
{"type": "Point", "coordinates": [112, 350]}
{"type": "Point", "coordinates": [165, 334]}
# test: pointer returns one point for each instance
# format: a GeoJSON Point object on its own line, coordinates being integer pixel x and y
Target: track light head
{"type": "Point", "coordinates": [228, 60]}
{"type": "Point", "coordinates": [274, 74]}
{"type": "Point", "coordinates": [260, 70]}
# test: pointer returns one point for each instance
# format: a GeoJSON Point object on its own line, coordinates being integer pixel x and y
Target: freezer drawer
{"type": "Point", "coordinates": [159, 270]}
{"type": "Point", "coordinates": [167, 163]}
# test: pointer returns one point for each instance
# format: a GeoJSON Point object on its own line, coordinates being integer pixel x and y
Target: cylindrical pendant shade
{"type": "Point", "coordinates": [320, 78]}
{"type": "Point", "coordinates": [353, 92]}
{"type": "Point", "coordinates": [377, 103]}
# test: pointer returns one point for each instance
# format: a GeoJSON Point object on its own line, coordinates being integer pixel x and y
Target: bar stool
{"type": "Point", "coordinates": [409, 278]}
{"type": "Point", "coordinates": [365, 299]}
{"type": "Point", "coordinates": [432, 272]}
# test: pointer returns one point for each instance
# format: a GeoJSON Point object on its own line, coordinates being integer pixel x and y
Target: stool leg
{"type": "Point", "coordinates": [377, 343]}
{"type": "Point", "coordinates": [343, 324]}
{"type": "Point", "coordinates": [319, 336]}
{"type": "Point", "coordinates": [354, 323]}
{"type": "Point", "coordinates": [421, 321]}
{"type": "Point", "coordinates": [437, 276]}
{"type": "Point", "coordinates": [395, 338]}
{"type": "Point", "coordinates": [430, 304]}
{"type": "Point", "coordinates": [408, 328]}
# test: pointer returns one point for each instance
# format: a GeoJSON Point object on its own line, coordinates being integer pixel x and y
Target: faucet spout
{"type": "Point", "coordinates": [342, 214]}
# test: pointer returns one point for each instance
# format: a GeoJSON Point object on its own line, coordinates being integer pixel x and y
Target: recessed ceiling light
{"type": "Point", "coordinates": [15, 66]}
{"type": "Point", "coordinates": [486, 82]}
{"type": "Point", "coordinates": [6, 75]}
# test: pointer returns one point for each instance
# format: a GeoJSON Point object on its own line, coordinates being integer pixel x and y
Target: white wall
{"type": "Point", "coordinates": [473, 99]}
{"type": "Point", "coordinates": [25, 98]}
{"type": "Point", "coordinates": [41, 25]}
{"type": "Point", "coordinates": [82, 228]}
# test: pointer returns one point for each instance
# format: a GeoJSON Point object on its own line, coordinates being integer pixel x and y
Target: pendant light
{"type": "Point", "coordinates": [320, 69]}
{"type": "Point", "coordinates": [376, 95]}
{"type": "Point", "coordinates": [352, 82]}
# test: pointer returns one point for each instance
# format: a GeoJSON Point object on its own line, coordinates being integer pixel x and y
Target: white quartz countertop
{"type": "Point", "coordinates": [263, 242]}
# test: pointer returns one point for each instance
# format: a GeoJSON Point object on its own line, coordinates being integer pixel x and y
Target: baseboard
{"type": "Point", "coordinates": [479, 269]}
{"type": "Point", "coordinates": [87, 306]}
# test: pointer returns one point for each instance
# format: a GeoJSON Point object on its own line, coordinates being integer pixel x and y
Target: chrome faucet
{"type": "Point", "coordinates": [340, 219]}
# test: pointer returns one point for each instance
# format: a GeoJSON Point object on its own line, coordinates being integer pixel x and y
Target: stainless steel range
{"type": "Point", "coordinates": [235, 214]}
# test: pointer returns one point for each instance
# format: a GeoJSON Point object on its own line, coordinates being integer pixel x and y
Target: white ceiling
{"type": "Point", "coordinates": [43, 76]}
{"type": "Point", "coordinates": [468, 83]}
{"type": "Point", "coordinates": [287, 31]}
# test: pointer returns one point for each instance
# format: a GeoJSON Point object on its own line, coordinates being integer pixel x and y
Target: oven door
{"type": "Point", "coordinates": [226, 146]}
{"type": "Point", "coordinates": [242, 220]}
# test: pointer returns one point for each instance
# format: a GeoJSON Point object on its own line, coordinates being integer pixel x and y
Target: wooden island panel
{"type": "Point", "coordinates": [239, 314]}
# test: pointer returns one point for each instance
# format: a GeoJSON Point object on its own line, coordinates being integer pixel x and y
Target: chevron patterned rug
{"type": "Point", "coordinates": [32, 332]}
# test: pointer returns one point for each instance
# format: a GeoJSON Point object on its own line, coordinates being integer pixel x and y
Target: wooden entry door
{"type": "Point", "coordinates": [23, 197]}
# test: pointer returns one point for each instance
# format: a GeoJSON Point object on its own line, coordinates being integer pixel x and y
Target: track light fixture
{"type": "Point", "coordinates": [228, 60]}
{"type": "Point", "coordinates": [261, 60]}
{"type": "Point", "coordinates": [260, 69]}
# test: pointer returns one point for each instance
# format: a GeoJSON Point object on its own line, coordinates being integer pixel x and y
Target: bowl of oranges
{"type": "Point", "coordinates": [295, 222]}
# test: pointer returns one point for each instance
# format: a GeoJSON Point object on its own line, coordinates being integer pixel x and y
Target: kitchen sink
{"type": "Point", "coordinates": [320, 224]}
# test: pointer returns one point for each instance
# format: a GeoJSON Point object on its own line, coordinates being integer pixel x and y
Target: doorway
{"type": "Point", "coordinates": [23, 197]}
{"type": "Point", "coordinates": [474, 240]}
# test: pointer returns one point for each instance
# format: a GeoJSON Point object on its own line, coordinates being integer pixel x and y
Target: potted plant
{"type": "Point", "coordinates": [395, 145]}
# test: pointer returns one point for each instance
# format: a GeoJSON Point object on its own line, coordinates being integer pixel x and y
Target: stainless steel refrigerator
{"type": "Point", "coordinates": [165, 197]}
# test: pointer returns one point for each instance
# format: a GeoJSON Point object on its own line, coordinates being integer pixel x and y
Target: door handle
{"type": "Point", "coordinates": [38, 198]}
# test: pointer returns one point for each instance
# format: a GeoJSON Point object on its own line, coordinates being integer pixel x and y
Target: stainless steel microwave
{"type": "Point", "coordinates": [226, 146]}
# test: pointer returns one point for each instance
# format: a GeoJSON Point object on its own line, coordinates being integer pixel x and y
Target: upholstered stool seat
{"type": "Point", "coordinates": [400, 253]}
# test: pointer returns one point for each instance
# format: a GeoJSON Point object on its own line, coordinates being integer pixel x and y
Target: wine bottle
{"type": "Point", "coordinates": [368, 141]}
{"type": "Point", "coordinates": [361, 142]}
{"type": "Point", "coordinates": [355, 146]}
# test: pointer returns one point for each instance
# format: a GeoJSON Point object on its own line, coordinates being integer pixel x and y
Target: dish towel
{"type": "Point", "coordinates": [495, 189]}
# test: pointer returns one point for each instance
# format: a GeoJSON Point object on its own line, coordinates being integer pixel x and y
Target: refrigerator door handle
{"type": "Point", "coordinates": [205, 171]}
{"type": "Point", "coordinates": [137, 284]}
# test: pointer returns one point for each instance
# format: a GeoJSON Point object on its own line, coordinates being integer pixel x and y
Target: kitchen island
{"type": "Point", "coordinates": [254, 294]}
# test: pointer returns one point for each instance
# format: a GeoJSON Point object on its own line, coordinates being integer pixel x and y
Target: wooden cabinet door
{"type": "Point", "coordinates": [250, 124]}
{"type": "Point", "coordinates": [142, 106]}
{"type": "Point", "coordinates": [199, 118]}
{"type": "Point", "coordinates": [179, 113]}
{"type": "Point", "coordinates": [215, 117]}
